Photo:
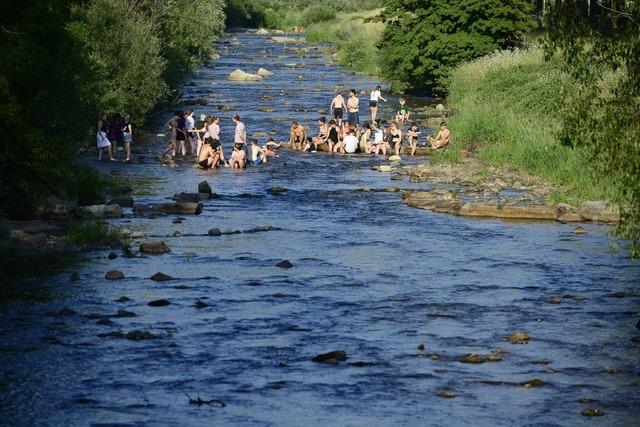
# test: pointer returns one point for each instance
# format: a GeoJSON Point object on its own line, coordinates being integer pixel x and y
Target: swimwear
{"type": "Point", "coordinates": [333, 135]}
{"type": "Point", "coordinates": [204, 163]}
{"type": "Point", "coordinates": [373, 103]}
{"type": "Point", "coordinates": [337, 113]}
{"type": "Point", "coordinates": [353, 117]}
{"type": "Point", "coordinates": [215, 144]}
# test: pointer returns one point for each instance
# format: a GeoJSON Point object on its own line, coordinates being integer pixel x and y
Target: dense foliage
{"type": "Point", "coordinates": [599, 43]}
{"type": "Point", "coordinates": [286, 14]}
{"type": "Point", "coordinates": [425, 39]}
{"type": "Point", "coordinates": [66, 62]}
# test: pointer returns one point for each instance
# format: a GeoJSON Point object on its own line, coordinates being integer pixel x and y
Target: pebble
{"type": "Point", "coordinates": [215, 232]}
{"type": "Point", "coordinates": [123, 299]}
{"type": "Point", "coordinates": [112, 255]}
{"type": "Point", "coordinates": [201, 304]}
{"type": "Point", "coordinates": [494, 357]}
{"type": "Point", "coordinates": [580, 230]}
{"type": "Point", "coordinates": [447, 394]}
{"type": "Point", "coordinates": [534, 383]}
{"type": "Point", "coordinates": [519, 338]}
{"type": "Point", "coordinates": [284, 264]}
{"type": "Point", "coordinates": [472, 358]}
{"type": "Point", "coordinates": [114, 275]}
{"type": "Point", "coordinates": [421, 347]}
{"type": "Point", "coordinates": [331, 358]}
{"type": "Point", "coordinates": [592, 412]}
{"type": "Point", "coordinates": [277, 190]}
{"type": "Point", "coordinates": [125, 313]}
{"type": "Point", "coordinates": [158, 303]}
{"type": "Point", "coordinates": [161, 277]}
{"type": "Point", "coordinates": [554, 300]}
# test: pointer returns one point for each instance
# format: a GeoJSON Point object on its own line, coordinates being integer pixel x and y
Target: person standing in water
{"type": "Point", "coordinates": [172, 124]}
{"type": "Point", "coordinates": [127, 132]}
{"type": "Point", "coordinates": [353, 108]}
{"type": "Point", "coordinates": [375, 98]}
{"type": "Point", "coordinates": [240, 136]}
{"type": "Point", "coordinates": [337, 105]}
{"type": "Point", "coordinates": [102, 142]}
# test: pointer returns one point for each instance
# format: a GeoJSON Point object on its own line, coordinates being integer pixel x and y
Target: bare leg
{"type": "Point", "coordinates": [127, 146]}
{"type": "Point", "coordinates": [374, 113]}
{"type": "Point", "coordinates": [111, 151]}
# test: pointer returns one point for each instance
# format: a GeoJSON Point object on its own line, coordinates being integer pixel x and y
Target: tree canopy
{"type": "Point", "coordinates": [425, 39]}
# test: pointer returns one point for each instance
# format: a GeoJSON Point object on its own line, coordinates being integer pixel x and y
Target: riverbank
{"type": "Point", "coordinates": [506, 110]}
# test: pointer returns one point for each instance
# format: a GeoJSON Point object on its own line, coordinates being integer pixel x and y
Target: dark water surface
{"type": "Point", "coordinates": [371, 276]}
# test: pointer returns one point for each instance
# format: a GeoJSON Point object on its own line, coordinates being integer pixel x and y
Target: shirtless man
{"type": "Point", "coordinates": [238, 157]}
{"type": "Point", "coordinates": [338, 106]}
{"type": "Point", "coordinates": [353, 108]}
{"type": "Point", "coordinates": [442, 139]}
{"type": "Point", "coordinates": [208, 158]}
{"type": "Point", "coordinates": [297, 136]}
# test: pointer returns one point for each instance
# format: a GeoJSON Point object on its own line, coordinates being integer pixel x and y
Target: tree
{"type": "Point", "coordinates": [599, 43]}
{"type": "Point", "coordinates": [425, 39]}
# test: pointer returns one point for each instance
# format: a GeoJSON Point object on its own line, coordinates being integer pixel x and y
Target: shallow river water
{"type": "Point", "coordinates": [371, 276]}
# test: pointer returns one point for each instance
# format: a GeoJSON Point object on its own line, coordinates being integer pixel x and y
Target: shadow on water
{"type": "Point", "coordinates": [403, 291]}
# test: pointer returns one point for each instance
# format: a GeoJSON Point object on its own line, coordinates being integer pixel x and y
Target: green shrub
{"type": "Point", "coordinates": [91, 232]}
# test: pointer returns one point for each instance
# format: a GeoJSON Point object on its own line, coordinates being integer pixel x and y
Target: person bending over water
{"type": "Point", "coordinates": [208, 157]}
{"type": "Point", "coordinates": [375, 98]}
{"type": "Point", "coordinates": [337, 105]}
{"type": "Point", "coordinates": [238, 157]}
{"type": "Point", "coordinates": [297, 136]}
{"type": "Point", "coordinates": [442, 139]}
{"type": "Point", "coordinates": [258, 154]}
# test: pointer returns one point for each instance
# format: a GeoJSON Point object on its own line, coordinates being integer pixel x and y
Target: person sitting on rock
{"type": "Point", "coordinates": [378, 145]}
{"type": "Point", "coordinates": [412, 137]}
{"type": "Point", "coordinates": [365, 137]}
{"type": "Point", "coordinates": [396, 138]}
{"type": "Point", "coordinates": [208, 157]}
{"type": "Point", "coordinates": [442, 138]}
{"type": "Point", "coordinates": [297, 136]}
{"type": "Point", "coordinates": [238, 157]}
{"type": "Point", "coordinates": [323, 132]}
{"type": "Point", "coordinates": [333, 135]}
{"type": "Point", "coordinates": [403, 111]}
{"type": "Point", "coordinates": [350, 142]}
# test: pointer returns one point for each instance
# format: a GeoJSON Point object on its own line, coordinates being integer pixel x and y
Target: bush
{"type": "Point", "coordinates": [92, 233]}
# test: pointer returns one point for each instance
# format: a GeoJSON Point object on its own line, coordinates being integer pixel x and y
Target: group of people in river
{"type": "Point", "coordinates": [347, 136]}
{"type": "Point", "coordinates": [201, 138]}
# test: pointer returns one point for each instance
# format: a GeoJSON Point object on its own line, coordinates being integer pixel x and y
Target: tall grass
{"type": "Point", "coordinates": [353, 38]}
{"type": "Point", "coordinates": [508, 106]}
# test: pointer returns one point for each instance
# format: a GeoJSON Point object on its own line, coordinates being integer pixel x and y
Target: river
{"type": "Point", "coordinates": [370, 276]}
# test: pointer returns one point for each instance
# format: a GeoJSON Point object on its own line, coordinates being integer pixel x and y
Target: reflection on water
{"type": "Point", "coordinates": [371, 276]}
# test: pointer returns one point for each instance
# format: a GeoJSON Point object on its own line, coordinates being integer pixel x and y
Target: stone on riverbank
{"type": "Point", "coordinates": [599, 211]}
{"type": "Point", "coordinates": [154, 247]}
{"type": "Point", "coordinates": [97, 211]}
{"type": "Point", "coordinates": [242, 76]}
{"type": "Point", "coordinates": [114, 275]}
{"type": "Point", "coordinates": [178, 208]}
{"type": "Point", "coordinates": [262, 32]}
{"type": "Point", "coordinates": [331, 358]}
{"type": "Point", "coordinates": [288, 40]}
{"type": "Point", "coordinates": [264, 73]}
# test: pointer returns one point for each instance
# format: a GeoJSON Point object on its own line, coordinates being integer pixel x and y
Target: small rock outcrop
{"type": "Point", "coordinates": [114, 275]}
{"type": "Point", "coordinates": [264, 73]}
{"type": "Point", "coordinates": [154, 247]}
{"type": "Point", "coordinates": [205, 188]}
{"type": "Point", "coordinates": [161, 277]}
{"type": "Point", "coordinates": [242, 76]}
{"type": "Point", "coordinates": [284, 264]}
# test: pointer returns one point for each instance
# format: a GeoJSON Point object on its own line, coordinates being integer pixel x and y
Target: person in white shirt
{"type": "Point", "coordinates": [191, 135]}
{"type": "Point", "coordinates": [240, 136]}
{"type": "Point", "coordinates": [350, 142]}
{"type": "Point", "coordinates": [378, 144]}
{"type": "Point", "coordinates": [376, 96]}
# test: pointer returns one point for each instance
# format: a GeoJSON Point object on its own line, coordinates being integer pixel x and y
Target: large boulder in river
{"type": "Point", "coordinates": [97, 211]}
{"type": "Point", "coordinates": [242, 76]}
{"type": "Point", "coordinates": [264, 73]}
{"type": "Point", "coordinates": [600, 210]}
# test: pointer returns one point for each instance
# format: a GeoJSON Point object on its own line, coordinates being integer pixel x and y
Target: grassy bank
{"type": "Point", "coordinates": [354, 40]}
{"type": "Point", "coordinates": [507, 105]}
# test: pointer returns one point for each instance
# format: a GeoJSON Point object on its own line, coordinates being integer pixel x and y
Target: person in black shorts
{"type": "Point", "coordinates": [338, 105]}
